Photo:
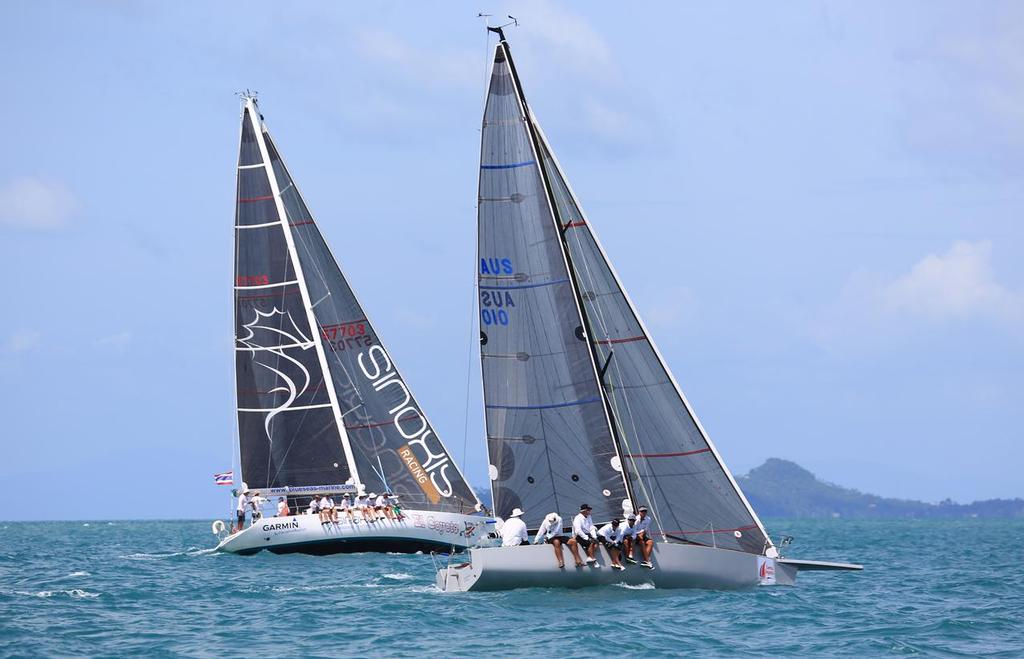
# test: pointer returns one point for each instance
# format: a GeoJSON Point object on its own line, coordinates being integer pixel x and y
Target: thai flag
{"type": "Point", "coordinates": [226, 478]}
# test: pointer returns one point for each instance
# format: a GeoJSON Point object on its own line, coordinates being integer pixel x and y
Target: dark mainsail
{"type": "Point", "coordinates": [548, 436]}
{"type": "Point", "coordinates": [646, 426]}
{"type": "Point", "coordinates": [368, 425]}
{"type": "Point", "coordinates": [288, 434]}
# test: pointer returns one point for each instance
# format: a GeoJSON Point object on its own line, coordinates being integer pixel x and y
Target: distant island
{"type": "Point", "coordinates": [780, 488]}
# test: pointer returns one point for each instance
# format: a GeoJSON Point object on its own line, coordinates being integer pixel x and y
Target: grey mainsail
{"type": "Point", "coordinates": [548, 437]}
{"type": "Point", "coordinates": [371, 418]}
{"type": "Point", "coordinates": [646, 427]}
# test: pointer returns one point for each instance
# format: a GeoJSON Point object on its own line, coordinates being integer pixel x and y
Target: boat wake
{"type": "Point", "coordinates": [639, 586]}
{"type": "Point", "coordinates": [74, 593]}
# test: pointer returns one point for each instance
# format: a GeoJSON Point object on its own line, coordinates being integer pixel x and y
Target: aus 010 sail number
{"type": "Point", "coordinates": [495, 304]}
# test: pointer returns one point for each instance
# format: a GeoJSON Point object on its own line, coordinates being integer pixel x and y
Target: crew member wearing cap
{"type": "Point", "coordinates": [627, 538]}
{"type": "Point", "coordinates": [346, 505]}
{"type": "Point", "coordinates": [585, 535]}
{"type": "Point", "coordinates": [383, 509]}
{"type": "Point", "coordinates": [642, 537]}
{"type": "Point", "coordinates": [282, 507]}
{"type": "Point", "coordinates": [513, 531]}
{"type": "Point", "coordinates": [243, 503]}
{"type": "Point", "coordinates": [610, 535]}
{"type": "Point", "coordinates": [367, 508]}
{"type": "Point", "coordinates": [550, 531]}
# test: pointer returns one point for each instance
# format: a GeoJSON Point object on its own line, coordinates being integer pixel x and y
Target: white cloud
{"type": "Point", "coordinates": [957, 285]}
{"type": "Point", "coordinates": [565, 37]}
{"type": "Point", "coordinates": [23, 341]}
{"type": "Point", "coordinates": [427, 66]}
{"type": "Point", "coordinates": [118, 341]}
{"type": "Point", "coordinates": [32, 203]}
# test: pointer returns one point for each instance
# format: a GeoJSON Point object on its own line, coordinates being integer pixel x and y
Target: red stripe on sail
{"type": "Point", "coordinates": [666, 455]}
{"type": "Point", "coordinates": [249, 200]}
{"type": "Point", "coordinates": [577, 223]}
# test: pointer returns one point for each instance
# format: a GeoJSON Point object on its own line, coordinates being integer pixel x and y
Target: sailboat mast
{"type": "Point", "coordinates": [307, 304]}
{"type": "Point", "coordinates": [550, 197]}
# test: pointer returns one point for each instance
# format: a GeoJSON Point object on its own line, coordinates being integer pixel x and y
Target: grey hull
{"type": "Point", "coordinates": [676, 566]}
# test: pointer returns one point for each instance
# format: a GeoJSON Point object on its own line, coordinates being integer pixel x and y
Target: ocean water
{"type": "Point", "coordinates": [933, 588]}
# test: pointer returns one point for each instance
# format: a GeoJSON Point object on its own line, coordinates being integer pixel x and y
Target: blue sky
{"type": "Point", "coordinates": [816, 206]}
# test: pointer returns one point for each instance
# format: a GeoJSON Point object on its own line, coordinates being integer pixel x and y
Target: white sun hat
{"type": "Point", "coordinates": [551, 518]}
{"type": "Point", "coordinates": [516, 512]}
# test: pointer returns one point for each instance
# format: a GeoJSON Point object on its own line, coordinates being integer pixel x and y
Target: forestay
{"type": "Point", "coordinates": [669, 459]}
{"type": "Point", "coordinates": [549, 439]}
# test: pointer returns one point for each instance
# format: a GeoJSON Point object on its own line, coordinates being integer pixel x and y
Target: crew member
{"type": "Point", "coordinates": [627, 539]}
{"type": "Point", "coordinates": [642, 536]}
{"type": "Point", "coordinates": [346, 505]}
{"type": "Point", "coordinates": [243, 503]}
{"type": "Point", "coordinates": [369, 512]}
{"type": "Point", "coordinates": [314, 504]}
{"type": "Point", "coordinates": [383, 509]}
{"type": "Point", "coordinates": [585, 535]}
{"type": "Point", "coordinates": [513, 531]}
{"type": "Point", "coordinates": [327, 512]}
{"type": "Point", "coordinates": [550, 531]}
{"type": "Point", "coordinates": [282, 507]}
{"type": "Point", "coordinates": [610, 535]}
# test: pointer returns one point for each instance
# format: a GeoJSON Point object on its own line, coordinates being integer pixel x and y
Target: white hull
{"type": "Point", "coordinates": [419, 531]}
{"type": "Point", "coordinates": [676, 566]}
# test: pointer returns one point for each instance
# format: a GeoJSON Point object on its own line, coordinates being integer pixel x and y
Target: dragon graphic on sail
{"type": "Point", "coordinates": [293, 338]}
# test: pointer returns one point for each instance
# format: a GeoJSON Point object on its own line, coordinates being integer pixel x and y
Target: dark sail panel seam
{"type": "Point", "coordinates": [585, 401]}
{"type": "Point", "coordinates": [626, 340]}
{"type": "Point", "coordinates": [509, 288]}
{"type": "Point", "coordinates": [667, 455]}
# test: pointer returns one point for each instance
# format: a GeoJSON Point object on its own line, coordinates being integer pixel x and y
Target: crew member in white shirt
{"type": "Point", "coordinates": [346, 505]}
{"type": "Point", "coordinates": [256, 505]}
{"type": "Point", "coordinates": [550, 531]}
{"type": "Point", "coordinates": [282, 507]}
{"type": "Point", "coordinates": [243, 503]}
{"type": "Point", "coordinates": [513, 531]}
{"type": "Point", "coordinates": [627, 538]}
{"type": "Point", "coordinates": [327, 512]}
{"type": "Point", "coordinates": [369, 513]}
{"type": "Point", "coordinates": [585, 535]}
{"type": "Point", "coordinates": [610, 535]}
{"type": "Point", "coordinates": [314, 504]}
{"type": "Point", "coordinates": [383, 509]}
{"type": "Point", "coordinates": [642, 537]}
